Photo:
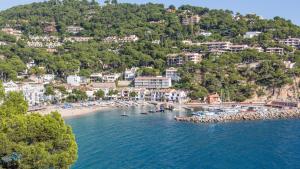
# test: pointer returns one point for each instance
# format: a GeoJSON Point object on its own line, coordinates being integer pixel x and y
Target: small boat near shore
{"type": "Point", "coordinates": [144, 113]}
{"type": "Point", "coordinates": [124, 115]}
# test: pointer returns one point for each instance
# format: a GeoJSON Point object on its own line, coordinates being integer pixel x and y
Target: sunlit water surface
{"type": "Point", "coordinates": [156, 141]}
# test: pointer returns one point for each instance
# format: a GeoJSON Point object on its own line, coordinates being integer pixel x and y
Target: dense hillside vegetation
{"type": "Point", "coordinates": [150, 22]}
{"type": "Point", "coordinates": [33, 141]}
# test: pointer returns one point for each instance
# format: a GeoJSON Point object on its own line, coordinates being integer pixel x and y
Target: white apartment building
{"type": "Point", "coordinates": [203, 33]}
{"type": "Point", "coordinates": [275, 50]}
{"type": "Point", "coordinates": [169, 95]}
{"type": "Point", "coordinates": [11, 87]}
{"type": "Point", "coordinates": [153, 82]}
{"type": "Point", "coordinates": [11, 31]}
{"type": "Point", "coordinates": [75, 80]}
{"type": "Point", "coordinates": [130, 74]}
{"type": "Point", "coordinates": [48, 78]}
{"type": "Point", "coordinates": [33, 92]}
{"type": "Point", "coordinates": [238, 48]}
{"type": "Point", "coordinates": [111, 77]}
{"type": "Point", "coordinates": [35, 44]}
{"type": "Point", "coordinates": [252, 34]}
{"type": "Point", "coordinates": [124, 93]}
{"type": "Point", "coordinates": [130, 38]}
{"type": "Point", "coordinates": [106, 87]}
{"type": "Point", "coordinates": [116, 39]}
{"type": "Point", "coordinates": [191, 20]}
{"type": "Point", "coordinates": [52, 45]}
{"type": "Point", "coordinates": [77, 39]}
{"type": "Point", "coordinates": [74, 29]}
{"type": "Point", "coordinates": [217, 45]}
{"type": "Point", "coordinates": [2, 43]}
{"type": "Point", "coordinates": [193, 57]}
{"type": "Point", "coordinates": [217, 51]}
{"type": "Point", "coordinates": [173, 74]}
{"type": "Point", "coordinates": [182, 58]}
{"type": "Point", "coordinates": [294, 42]}
{"type": "Point", "coordinates": [44, 38]}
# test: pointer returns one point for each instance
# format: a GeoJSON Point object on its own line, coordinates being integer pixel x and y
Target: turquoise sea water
{"type": "Point", "coordinates": [155, 141]}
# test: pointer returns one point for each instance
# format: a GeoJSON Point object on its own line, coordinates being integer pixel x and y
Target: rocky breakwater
{"type": "Point", "coordinates": [241, 116]}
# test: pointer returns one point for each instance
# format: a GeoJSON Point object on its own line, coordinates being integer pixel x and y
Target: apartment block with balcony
{"type": "Point", "coordinates": [153, 82]}
{"type": "Point", "coordinates": [217, 45]}
{"type": "Point", "coordinates": [294, 42]}
{"type": "Point", "coordinates": [181, 58]}
{"type": "Point", "coordinates": [275, 50]}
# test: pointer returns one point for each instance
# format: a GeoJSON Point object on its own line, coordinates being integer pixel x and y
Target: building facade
{"type": "Point", "coordinates": [153, 82]}
{"type": "Point", "coordinates": [173, 74]}
{"type": "Point", "coordinates": [182, 58]}
{"type": "Point", "coordinates": [276, 50]}
{"type": "Point", "coordinates": [252, 34]}
{"type": "Point", "coordinates": [130, 74]}
{"type": "Point", "coordinates": [75, 80]}
{"type": "Point", "coordinates": [294, 42]}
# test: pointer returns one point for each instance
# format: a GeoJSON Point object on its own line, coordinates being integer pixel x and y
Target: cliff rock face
{"type": "Point", "coordinates": [288, 92]}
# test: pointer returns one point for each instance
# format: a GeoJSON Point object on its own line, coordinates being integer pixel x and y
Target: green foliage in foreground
{"type": "Point", "coordinates": [33, 141]}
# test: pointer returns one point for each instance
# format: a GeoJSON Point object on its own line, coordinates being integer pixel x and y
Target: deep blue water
{"type": "Point", "coordinates": [155, 141]}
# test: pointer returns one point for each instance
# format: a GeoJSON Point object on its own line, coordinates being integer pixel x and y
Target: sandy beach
{"type": "Point", "coordinates": [75, 111]}
{"type": "Point", "coordinates": [80, 109]}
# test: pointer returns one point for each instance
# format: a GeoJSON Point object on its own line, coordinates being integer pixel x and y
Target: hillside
{"type": "Point", "coordinates": [84, 37]}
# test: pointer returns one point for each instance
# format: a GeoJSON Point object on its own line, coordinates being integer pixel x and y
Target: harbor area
{"type": "Point", "coordinates": [231, 113]}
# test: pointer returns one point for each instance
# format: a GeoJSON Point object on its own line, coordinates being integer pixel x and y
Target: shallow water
{"type": "Point", "coordinates": [155, 141]}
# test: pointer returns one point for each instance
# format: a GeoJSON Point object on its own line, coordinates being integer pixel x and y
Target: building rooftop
{"type": "Point", "coordinates": [151, 77]}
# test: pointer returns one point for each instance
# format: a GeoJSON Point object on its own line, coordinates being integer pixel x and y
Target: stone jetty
{"type": "Point", "coordinates": [241, 116]}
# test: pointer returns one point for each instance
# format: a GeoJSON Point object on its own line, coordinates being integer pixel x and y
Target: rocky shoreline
{"type": "Point", "coordinates": [241, 116]}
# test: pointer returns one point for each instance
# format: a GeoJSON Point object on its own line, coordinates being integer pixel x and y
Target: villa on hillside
{"type": "Point", "coordinates": [74, 29]}
{"type": "Point", "coordinates": [252, 34]}
{"type": "Point", "coordinates": [275, 50]}
{"type": "Point", "coordinates": [77, 39]}
{"type": "Point", "coordinates": [191, 20]}
{"type": "Point", "coordinates": [11, 31]}
{"type": "Point", "coordinates": [181, 58]}
{"type": "Point", "coordinates": [217, 45]}
{"type": "Point", "coordinates": [3, 43]}
{"type": "Point", "coordinates": [116, 39]}
{"type": "Point", "coordinates": [294, 42]}
{"type": "Point", "coordinates": [111, 77]}
{"type": "Point", "coordinates": [238, 48]}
